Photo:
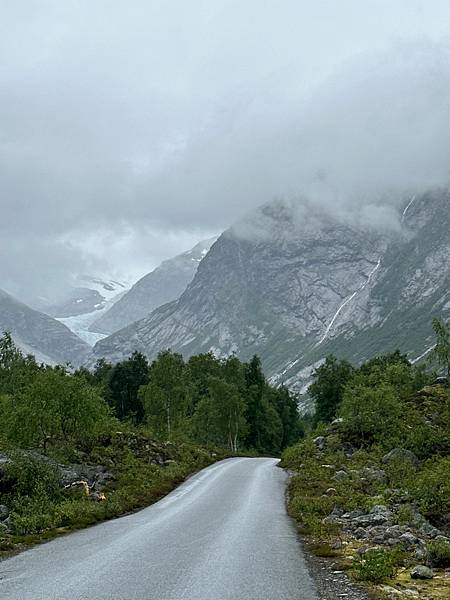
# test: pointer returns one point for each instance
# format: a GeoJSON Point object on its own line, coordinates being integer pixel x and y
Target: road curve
{"type": "Point", "coordinates": [223, 534]}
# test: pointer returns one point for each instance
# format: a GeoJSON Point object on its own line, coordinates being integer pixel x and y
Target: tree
{"type": "Point", "coordinates": [201, 368]}
{"type": "Point", "coordinates": [372, 414]}
{"type": "Point", "coordinates": [54, 407]}
{"type": "Point", "coordinates": [285, 403]}
{"type": "Point", "coordinates": [255, 383]}
{"type": "Point", "coordinates": [441, 351]}
{"type": "Point", "coordinates": [124, 381]}
{"type": "Point", "coordinates": [16, 370]}
{"type": "Point", "coordinates": [219, 418]}
{"type": "Point", "coordinates": [166, 397]}
{"type": "Point", "coordinates": [329, 381]}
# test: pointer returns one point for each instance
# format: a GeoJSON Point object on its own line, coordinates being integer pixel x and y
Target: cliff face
{"type": "Point", "coordinates": [294, 287]}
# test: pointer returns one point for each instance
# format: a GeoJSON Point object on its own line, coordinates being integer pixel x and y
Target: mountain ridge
{"type": "Point", "coordinates": [164, 284]}
{"type": "Point", "coordinates": [39, 334]}
{"type": "Point", "coordinates": [295, 295]}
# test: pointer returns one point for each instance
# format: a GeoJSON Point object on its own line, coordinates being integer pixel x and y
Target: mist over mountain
{"type": "Point", "coordinates": [130, 159]}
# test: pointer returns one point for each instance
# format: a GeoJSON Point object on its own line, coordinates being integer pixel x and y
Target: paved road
{"type": "Point", "coordinates": [223, 534]}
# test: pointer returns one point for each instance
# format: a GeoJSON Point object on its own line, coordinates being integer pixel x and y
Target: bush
{"type": "Point", "coordinates": [372, 415]}
{"type": "Point", "coordinates": [26, 476]}
{"type": "Point", "coordinates": [431, 487]}
{"type": "Point", "coordinates": [376, 566]}
{"type": "Point", "coordinates": [439, 554]}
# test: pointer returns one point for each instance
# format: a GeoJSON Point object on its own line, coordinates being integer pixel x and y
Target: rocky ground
{"type": "Point", "coordinates": [362, 524]}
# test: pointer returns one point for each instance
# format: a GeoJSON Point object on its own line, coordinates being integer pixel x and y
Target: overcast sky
{"type": "Point", "coordinates": [130, 129]}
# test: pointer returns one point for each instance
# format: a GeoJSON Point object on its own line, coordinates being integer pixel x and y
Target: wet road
{"type": "Point", "coordinates": [224, 534]}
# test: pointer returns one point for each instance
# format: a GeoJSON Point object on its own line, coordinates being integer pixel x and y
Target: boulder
{"type": "Point", "coordinates": [421, 572]}
{"type": "Point", "coordinates": [409, 539]}
{"type": "Point", "coordinates": [4, 512]}
{"type": "Point", "coordinates": [340, 476]}
{"type": "Point", "coordinates": [4, 459]}
{"type": "Point", "coordinates": [401, 455]}
{"type": "Point", "coordinates": [320, 442]}
{"type": "Point", "coordinates": [372, 474]}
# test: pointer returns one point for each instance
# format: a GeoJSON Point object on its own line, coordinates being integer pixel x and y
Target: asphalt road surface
{"type": "Point", "coordinates": [223, 534]}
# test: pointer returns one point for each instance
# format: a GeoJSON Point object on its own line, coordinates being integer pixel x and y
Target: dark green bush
{"type": "Point", "coordinates": [376, 566]}
{"type": "Point", "coordinates": [26, 476]}
{"type": "Point", "coordinates": [431, 487]}
{"type": "Point", "coordinates": [439, 554]}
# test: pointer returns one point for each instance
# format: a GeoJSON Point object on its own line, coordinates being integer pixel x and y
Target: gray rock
{"type": "Point", "coordinates": [320, 442]}
{"type": "Point", "coordinates": [373, 474]}
{"type": "Point", "coordinates": [409, 539]}
{"type": "Point", "coordinates": [400, 454]}
{"type": "Point", "coordinates": [421, 572]}
{"type": "Point", "coordinates": [354, 514]}
{"type": "Point", "coordinates": [420, 554]}
{"type": "Point", "coordinates": [429, 530]}
{"type": "Point", "coordinates": [340, 476]}
{"type": "Point", "coordinates": [4, 512]}
{"type": "Point", "coordinates": [360, 533]}
{"type": "Point", "coordinates": [394, 531]}
{"type": "Point", "coordinates": [4, 459]}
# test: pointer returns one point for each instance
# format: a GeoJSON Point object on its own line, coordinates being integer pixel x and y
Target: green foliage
{"type": "Point", "coordinates": [372, 415]}
{"type": "Point", "coordinates": [375, 566]}
{"type": "Point", "coordinates": [16, 370]}
{"type": "Point", "coordinates": [53, 407]}
{"type": "Point", "coordinates": [439, 554]}
{"type": "Point", "coordinates": [123, 383]}
{"type": "Point", "coordinates": [441, 351]}
{"type": "Point", "coordinates": [166, 397]}
{"type": "Point", "coordinates": [219, 418]}
{"type": "Point", "coordinates": [28, 476]}
{"type": "Point", "coordinates": [431, 487]}
{"type": "Point", "coordinates": [328, 386]}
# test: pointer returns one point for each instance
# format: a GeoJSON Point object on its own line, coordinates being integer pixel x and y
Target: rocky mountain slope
{"type": "Point", "coordinates": [295, 286]}
{"type": "Point", "coordinates": [38, 334]}
{"type": "Point", "coordinates": [164, 284]}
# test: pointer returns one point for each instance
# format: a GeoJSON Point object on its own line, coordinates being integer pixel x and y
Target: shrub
{"type": "Point", "coordinates": [439, 554]}
{"type": "Point", "coordinates": [30, 477]}
{"type": "Point", "coordinates": [375, 566]}
{"type": "Point", "coordinates": [431, 487]}
{"type": "Point", "coordinates": [372, 415]}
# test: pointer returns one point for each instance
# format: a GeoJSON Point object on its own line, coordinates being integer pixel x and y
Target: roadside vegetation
{"type": "Point", "coordinates": [84, 446]}
{"type": "Point", "coordinates": [370, 482]}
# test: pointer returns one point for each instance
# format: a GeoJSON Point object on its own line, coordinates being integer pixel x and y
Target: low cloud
{"type": "Point", "coordinates": [128, 135]}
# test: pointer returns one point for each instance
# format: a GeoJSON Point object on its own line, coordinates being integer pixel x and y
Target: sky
{"type": "Point", "coordinates": [130, 130]}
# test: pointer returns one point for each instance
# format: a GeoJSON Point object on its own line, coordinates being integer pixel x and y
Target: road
{"type": "Point", "coordinates": [223, 534]}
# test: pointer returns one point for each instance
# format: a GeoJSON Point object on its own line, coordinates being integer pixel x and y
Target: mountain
{"type": "Point", "coordinates": [294, 286]}
{"type": "Point", "coordinates": [41, 335]}
{"type": "Point", "coordinates": [90, 294]}
{"type": "Point", "coordinates": [164, 284]}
